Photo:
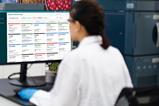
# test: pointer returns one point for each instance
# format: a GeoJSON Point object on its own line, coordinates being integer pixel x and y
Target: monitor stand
{"type": "Point", "coordinates": [23, 81]}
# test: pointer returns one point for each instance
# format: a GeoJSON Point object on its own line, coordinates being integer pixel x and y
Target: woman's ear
{"type": "Point", "coordinates": [77, 26]}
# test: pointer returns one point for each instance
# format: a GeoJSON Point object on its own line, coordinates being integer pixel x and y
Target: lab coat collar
{"type": "Point", "coordinates": [90, 40]}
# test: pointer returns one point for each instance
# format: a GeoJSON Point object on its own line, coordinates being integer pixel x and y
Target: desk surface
{"type": "Point", "coordinates": [8, 90]}
{"type": "Point", "coordinates": [6, 102]}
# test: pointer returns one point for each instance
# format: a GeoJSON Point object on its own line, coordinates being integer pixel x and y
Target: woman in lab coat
{"type": "Point", "coordinates": [91, 75]}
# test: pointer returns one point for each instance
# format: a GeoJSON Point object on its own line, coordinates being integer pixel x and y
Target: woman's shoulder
{"type": "Point", "coordinates": [113, 49]}
{"type": "Point", "coordinates": [115, 52]}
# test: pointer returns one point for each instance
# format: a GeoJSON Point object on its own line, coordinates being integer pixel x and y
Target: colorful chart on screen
{"type": "Point", "coordinates": [37, 36]}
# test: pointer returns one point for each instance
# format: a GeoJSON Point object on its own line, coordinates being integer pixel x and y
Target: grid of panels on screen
{"type": "Point", "coordinates": [37, 36]}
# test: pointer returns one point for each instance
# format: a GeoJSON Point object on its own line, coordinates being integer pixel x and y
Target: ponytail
{"type": "Point", "coordinates": [105, 42]}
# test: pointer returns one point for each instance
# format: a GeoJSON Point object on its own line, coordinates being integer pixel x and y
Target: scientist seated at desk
{"type": "Point", "coordinates": [91, 75]}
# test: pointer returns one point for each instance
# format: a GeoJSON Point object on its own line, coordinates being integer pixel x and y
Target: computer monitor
{"type": "Point", "coordinates": [31, 37]}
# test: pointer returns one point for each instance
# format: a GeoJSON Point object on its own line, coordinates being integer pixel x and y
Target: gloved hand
{"type": "Point", "coordinates": [27, 93]}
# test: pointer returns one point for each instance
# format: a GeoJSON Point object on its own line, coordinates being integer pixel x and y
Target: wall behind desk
{"type": "Point", "coordinates": [34, 70]}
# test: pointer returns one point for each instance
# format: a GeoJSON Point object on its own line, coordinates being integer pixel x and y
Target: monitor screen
{"type": "Point", "coordinates": [36, 36]}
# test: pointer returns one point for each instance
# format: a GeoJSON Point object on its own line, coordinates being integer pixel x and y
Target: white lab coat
{"type": "Point", "coordinates": [87, 76]}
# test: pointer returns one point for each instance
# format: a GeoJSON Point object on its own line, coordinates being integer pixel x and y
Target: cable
{"type": "Point", "coordinates": [29, 66]}
{"type": "Point", "coordinates": [13, 74]}
{"type": "Point", "coordinates": [18, 73]}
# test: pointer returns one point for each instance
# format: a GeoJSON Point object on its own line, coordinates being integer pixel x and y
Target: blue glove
{"type": "Point", "coordinates": [27, 93]}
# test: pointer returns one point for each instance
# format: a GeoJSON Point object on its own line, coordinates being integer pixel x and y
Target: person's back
{"type": "Point", "coordinates": [103, 76]}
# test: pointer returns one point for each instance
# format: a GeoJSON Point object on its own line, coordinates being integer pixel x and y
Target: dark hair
{"type": "Point", "coordinates": [91, 16]}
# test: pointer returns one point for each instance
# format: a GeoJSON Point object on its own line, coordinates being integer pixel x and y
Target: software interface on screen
{"type": "Point", "coordinates": [37, 36]}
